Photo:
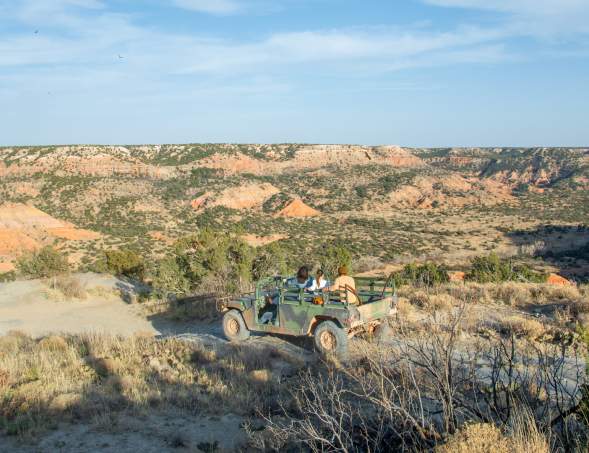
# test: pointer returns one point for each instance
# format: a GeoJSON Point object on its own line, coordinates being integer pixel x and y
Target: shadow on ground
{"type": "Point", "coordinates": [565, 247]}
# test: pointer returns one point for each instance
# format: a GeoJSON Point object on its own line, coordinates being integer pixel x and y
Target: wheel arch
{"type": "Point", "coordinates": [316, 320]}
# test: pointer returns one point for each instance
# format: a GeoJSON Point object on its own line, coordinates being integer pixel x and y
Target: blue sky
{"type": "Point", "coordinates": [407, 72]}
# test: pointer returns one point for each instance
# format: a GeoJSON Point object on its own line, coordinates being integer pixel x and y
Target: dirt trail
{"type": "Point", "coordinates": [152, 433]}
{"type": "Point", "coordinates": [30, 307]}
{"type": "Point", "coordinates": [25, 306]}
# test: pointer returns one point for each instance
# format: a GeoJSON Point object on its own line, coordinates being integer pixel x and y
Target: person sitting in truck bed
{"type": "Point", "coordinates": [302, 280]}
{"type": "Point", "coordinates": [343, 283]}
{"type": "Point", "coordinates": [318, 282]}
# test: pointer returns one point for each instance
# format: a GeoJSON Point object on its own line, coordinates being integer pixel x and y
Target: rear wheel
{"type": "Point", "coordinates": [331, 340]}
{"type": "Point", "coordinates": [234, 327]}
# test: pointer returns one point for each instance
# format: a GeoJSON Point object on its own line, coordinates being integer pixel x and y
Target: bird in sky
{"type": "Point", "coordinates": [36, 32]}
{"type": "Point", "coordinates": [121, 57]}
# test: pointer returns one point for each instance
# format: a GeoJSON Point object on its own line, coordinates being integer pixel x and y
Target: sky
{"type": "Point", "coordinates": [423, 73]}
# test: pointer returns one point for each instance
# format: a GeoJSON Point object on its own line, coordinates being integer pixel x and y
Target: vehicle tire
{"type": "Point", "coordinates": [331, 340]}
{"type": "Point", "coordinates": [382, 332]}
{"type": "Point", "coordinates": [234, 327]}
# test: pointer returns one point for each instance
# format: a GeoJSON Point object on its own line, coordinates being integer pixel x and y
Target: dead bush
{"type": "Point", "coordinates": [513, 294]}
{"type": "Point", "coordinates": [419, 299]}
{"type": "Point", "coordinates": [522, 327]}
{"type": "Point", "coordinates": [488, 438]}
{"type": "Point", "coordinates": [417, 395]}
{"type": "Point", "coordinates": [70, 287]}
{"type": "Point", "coordinates": [53, 343]}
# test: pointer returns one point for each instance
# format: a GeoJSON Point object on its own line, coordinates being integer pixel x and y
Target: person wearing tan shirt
{"type": "Point", "coordinates": [341, 283]}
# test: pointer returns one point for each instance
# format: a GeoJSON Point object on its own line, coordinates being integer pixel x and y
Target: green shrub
{"type": "Point", "coordinates": [124, 262]}
{"type": "Point", "coordinates": [44, 263]}
{"type": "Point", "coordinates": [269, 260]}
{"type": "Point", "coordinates": [222, 261]}
{"type": "Point", "coordinates": [492, 269]}
{"type": "Point", "coordinates": [429, 274]}
{"type": "Point", "coordinates": [168, 277]}
{"type": "Point", "coordinates": [334, 256]}
{"type": "Point", "coordinates": [361, 191]}
{"type": "Point", "coordinates": [6, 277]}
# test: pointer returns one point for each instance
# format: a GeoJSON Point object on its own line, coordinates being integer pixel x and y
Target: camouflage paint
{"type": "Point", "coordinates": [299, 315]}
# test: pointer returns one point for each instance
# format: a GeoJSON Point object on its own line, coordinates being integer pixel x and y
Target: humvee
{"type": "Point", "coordinates": [329, 317]}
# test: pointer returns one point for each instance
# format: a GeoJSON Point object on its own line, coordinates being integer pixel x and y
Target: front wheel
{"type": "Point", "coordinates": [331, 340]}
{"type": "Point", "coordinates": [234, 327]}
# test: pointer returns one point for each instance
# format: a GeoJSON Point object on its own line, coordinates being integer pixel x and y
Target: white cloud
{"type": "Point", "coordinates": [210, 6]}
{"type": "Point", "coordinates": [532, 7]}
{"type": "Point", "coordinates": [378, 49]}
{"type": "Point", "coordinates": [533, 17]}
{"type": "Point", "coordinates": [80, 42]}
{"type": "Point", "coordinates": [98, 39]}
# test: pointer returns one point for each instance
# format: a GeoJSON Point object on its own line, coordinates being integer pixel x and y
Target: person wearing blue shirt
{"type": "Point", "coordinates": [302, 280]}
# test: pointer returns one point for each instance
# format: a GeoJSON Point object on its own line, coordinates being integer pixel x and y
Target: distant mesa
{"type": "Point", "coordinates": [297, 208]}
{"type": "Point", "coordinates": [309, 157]}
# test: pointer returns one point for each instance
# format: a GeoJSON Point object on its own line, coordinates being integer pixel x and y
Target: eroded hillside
{"type": "Point", "coordinates": [390, 203]}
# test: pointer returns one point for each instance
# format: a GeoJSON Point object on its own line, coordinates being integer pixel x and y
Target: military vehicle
{"type": "Point", "coordinates": [329, 317]}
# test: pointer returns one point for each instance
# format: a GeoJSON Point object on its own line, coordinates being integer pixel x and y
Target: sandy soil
{"type": "Point", "coordinates": [147, 434]}
{"type": "Point", "coordinates": [30, 307]}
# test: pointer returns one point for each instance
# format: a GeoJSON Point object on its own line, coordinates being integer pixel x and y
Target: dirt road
{"type": "Point", "coordinates": [31, 307]}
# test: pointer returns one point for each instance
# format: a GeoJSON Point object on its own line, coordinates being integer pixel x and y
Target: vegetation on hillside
{"type": "Point", "coordinates": [492, 269]}
{"type": "Point", "coordinates": [44, 263]}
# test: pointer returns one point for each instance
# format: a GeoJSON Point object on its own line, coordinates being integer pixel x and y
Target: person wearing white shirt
{"type": "Point", "coordinates": [319, 282]}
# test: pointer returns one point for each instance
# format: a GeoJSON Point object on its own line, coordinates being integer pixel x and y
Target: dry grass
{"type": "Point", "coordinates": [95, 378]}
{"type": "Point", "coordinates": [376, 401]}
{"type": "Point", "coordinates": [488, 438]}
{"type": "Point", "coordinates": [88, 377]}
{"type": "Point", "coordinates": [65, 288]}
{"type": "Point", "coordinates": [101, 292]}
{"type": "Point", "coordinates": [515, 294]}
{"type": "Point", "coordinates": [432, 301]}
{"type": "Point", "coordinates": [71, 287]}
{"type": "Point", "coordinates": [522, 327]}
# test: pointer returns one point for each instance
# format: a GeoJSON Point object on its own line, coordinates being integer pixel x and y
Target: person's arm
{"type": "Point", "coordinates": [334, 287]}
